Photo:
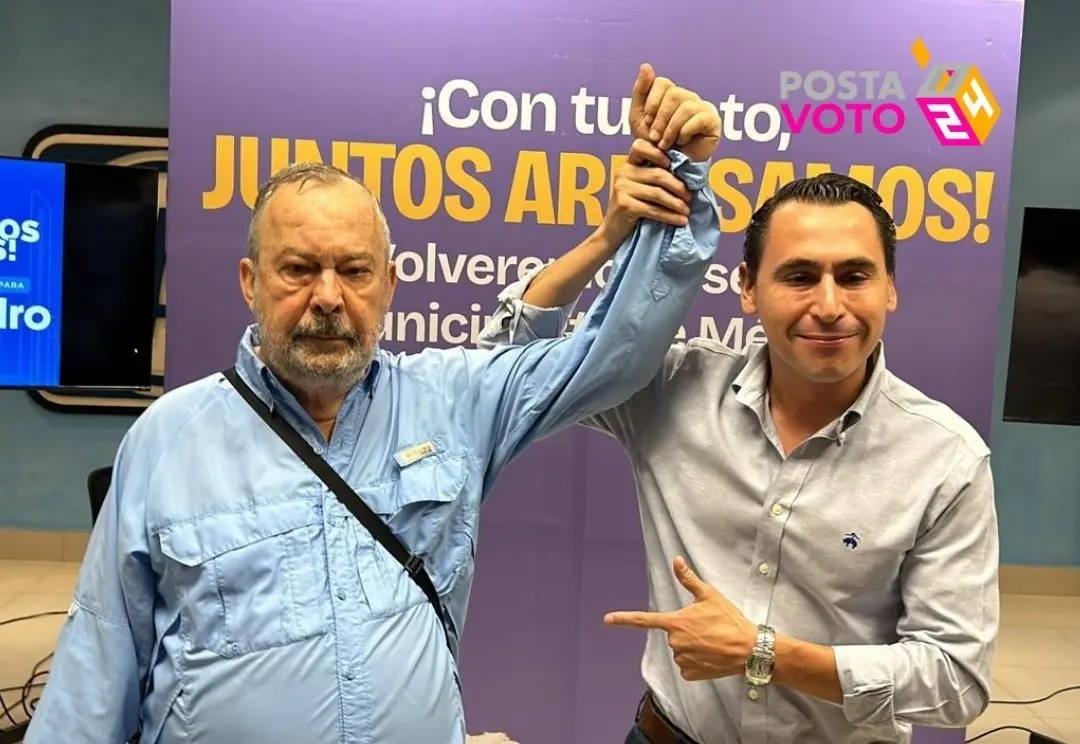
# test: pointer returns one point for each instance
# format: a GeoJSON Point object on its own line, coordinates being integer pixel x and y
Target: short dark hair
{"type": "Point", "coordinates": [832, 189]}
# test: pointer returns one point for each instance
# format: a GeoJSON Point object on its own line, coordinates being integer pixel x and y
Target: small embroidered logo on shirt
{"type": "Point", "coordinates": [417, 452]}
{"type": "Point", "coordinates": [851, 540]}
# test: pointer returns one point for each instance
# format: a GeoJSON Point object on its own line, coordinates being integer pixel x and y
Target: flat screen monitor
{"type": "Point", "coordinates": [1044, 352]}
{"type": "Point", "coordinates": [77, 275]}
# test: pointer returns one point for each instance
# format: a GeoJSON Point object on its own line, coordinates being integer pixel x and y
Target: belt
{"type": "Point", "coordinates": [657, 727]}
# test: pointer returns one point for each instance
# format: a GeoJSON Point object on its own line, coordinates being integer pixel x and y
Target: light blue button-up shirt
{"type": "Point", "coordinates": [227, 597]}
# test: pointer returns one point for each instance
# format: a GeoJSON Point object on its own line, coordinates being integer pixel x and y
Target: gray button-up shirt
{"type": "Point", "coordinates": [877, 536]}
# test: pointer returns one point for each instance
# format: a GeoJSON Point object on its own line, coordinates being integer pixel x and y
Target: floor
{"type": "Point", "coordinates": [1039, 651]}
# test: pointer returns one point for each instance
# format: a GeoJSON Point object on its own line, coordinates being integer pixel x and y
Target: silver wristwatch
{"type": "Point", "coordinates": [759, 667]}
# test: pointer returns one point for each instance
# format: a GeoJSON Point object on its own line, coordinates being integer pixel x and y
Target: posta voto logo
{"type": "Point", "coordinates": [956, 101]}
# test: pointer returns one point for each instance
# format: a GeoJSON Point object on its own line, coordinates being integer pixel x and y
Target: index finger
{"type": "Point", "coordinates": [654, 620]}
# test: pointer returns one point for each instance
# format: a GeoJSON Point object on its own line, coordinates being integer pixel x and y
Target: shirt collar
{"type": "Point", "coordinates": [750, 386]}
{"type": "Point", "coordinates": [269, 387]}
{"type": "Point", "coordinates": [870, 390]}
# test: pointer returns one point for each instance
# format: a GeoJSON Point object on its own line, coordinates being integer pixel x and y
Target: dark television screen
{"type": "Point", "coordinates": [77, 276]}
{"type": "Point", "coordinates": [1043, 384]}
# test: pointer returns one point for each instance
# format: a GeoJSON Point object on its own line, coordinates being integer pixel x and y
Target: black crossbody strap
{"type": "Point", "coordinates": [413, 564]}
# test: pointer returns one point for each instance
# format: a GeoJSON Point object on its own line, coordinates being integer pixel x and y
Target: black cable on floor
{"type": "Point", "coordinates": [31, 617]}
{"type": "Point", "coordinates": [5, 712]}
{"type": "Point", "coordinates": [1000, 728]}
{"type": "Point", "coordinates": [1036, 701]}
{"type": "Point", "coordinates": [28, 705]}
{"type": "Point", "coordinates": [1055, 693]}
{"type": "Point", "coordinates": [26, 701]}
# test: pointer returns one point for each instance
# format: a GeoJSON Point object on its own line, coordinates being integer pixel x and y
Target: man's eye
{"type": "Point", "coordinates": [295, 270]}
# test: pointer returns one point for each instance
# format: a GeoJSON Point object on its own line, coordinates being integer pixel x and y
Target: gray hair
{"type": "Point", "coordinates": [301, 173]}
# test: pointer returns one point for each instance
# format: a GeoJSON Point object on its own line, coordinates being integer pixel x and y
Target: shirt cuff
{"type": "Point", "coordinates": [866, 678]}
{"type": "Point", "coordinates": [695, 176]}
{"type": "Point", "coordinates": [522, 322]}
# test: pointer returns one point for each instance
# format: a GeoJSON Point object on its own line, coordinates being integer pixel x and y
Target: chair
{"type": "Point", "coordinates": [97, 483]}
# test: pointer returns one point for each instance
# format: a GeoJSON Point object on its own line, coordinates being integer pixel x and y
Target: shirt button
{"type": "Point", "coordinates": [763, 569]}
{"type": "Point", "coordinates": [778, 510]}
{"type": "Point", "coordinates": [753, 694]}
{"type": "Point", "coordinates": [349, 674]}
{"type": "Point", "coordinates": [319, 449]}
{"type": "Point", "coordinates": [341, 595]}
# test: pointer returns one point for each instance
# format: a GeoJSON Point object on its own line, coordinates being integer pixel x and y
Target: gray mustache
{"type": "Point", "coordinates": [326, 327]}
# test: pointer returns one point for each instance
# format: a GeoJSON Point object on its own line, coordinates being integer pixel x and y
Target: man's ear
{"type": "Point", "coordinates": [247, 282]}
{"type": "Point", "coordinates": [747, 295]}
{"type": "Point", "coordinates": [390, 284]}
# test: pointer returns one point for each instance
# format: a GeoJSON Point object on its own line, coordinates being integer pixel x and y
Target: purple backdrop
{"type": "Point", "coordinates": [561, 540]}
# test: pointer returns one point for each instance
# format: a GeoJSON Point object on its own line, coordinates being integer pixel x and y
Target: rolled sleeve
{"type": "Point", "coordinates": [866, 677]}
{"type": "Point", "coordinates": [938, 674]}
{"type": "Point", "coordinates": [517, 322]}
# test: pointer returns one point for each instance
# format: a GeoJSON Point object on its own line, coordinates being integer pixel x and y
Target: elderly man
{"type": "Point", "coordinates": [233, 590]}
{"type": "Point", "coordinates": [841, 524]}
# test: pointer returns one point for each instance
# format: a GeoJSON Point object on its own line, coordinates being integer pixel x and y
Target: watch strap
{"type": "Point", "coordinates": [759, 667]}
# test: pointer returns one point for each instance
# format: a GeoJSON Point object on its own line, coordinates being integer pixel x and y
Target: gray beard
{"type": "Point", "coordinates": [303, 360]}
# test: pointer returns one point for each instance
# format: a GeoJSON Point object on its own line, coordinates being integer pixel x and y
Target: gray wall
{"type": "Point", "coordinates": [107, 63]}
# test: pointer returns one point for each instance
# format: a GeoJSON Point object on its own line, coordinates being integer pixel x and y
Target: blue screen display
{"type": "Point", "coordinates": [31, 271]}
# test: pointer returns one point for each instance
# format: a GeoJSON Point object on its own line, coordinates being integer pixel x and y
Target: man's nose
{"type": "Point", "coordinates": [327, 291]}
{"type": "Point", "coordinates": [828, 305]}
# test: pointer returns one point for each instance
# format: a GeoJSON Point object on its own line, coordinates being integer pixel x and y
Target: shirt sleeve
{"type": "Point", "coordinates": [938, 673]}
{"type": "Point", "coordinates": [94, 691]}
{"type": "Point", "coordinates": [516, 322]}
{"type": "Point", "coordinates": [512, 395]}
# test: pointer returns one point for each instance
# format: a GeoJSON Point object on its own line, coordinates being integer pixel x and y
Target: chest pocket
{"type": "Point", "coordinates": [249, 580]}
{"type": "Point", "coordinates": [426, 507]}
{"type": "Point", "coordinates": [854, 554]}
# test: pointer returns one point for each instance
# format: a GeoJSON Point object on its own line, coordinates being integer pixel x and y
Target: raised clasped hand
{"type": "Point", "coordinates": [669, 116]}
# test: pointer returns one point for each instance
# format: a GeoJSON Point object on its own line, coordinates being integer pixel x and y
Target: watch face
{"type": "Point", "coordinates": [758, 670]}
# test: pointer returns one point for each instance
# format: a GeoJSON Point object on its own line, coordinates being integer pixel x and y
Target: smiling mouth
{"type": "Point", "coordinates": [826, 340]}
